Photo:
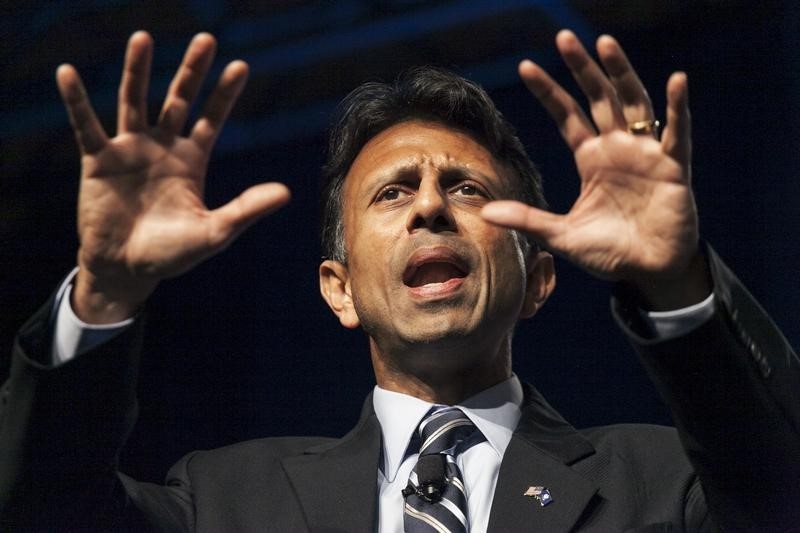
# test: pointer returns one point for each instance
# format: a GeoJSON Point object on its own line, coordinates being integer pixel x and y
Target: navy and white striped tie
{"type": "Point", "coordinates": [444, 433]}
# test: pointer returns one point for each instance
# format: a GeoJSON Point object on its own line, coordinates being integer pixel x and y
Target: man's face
{"type": "Point", "coordinates": [423, 266]}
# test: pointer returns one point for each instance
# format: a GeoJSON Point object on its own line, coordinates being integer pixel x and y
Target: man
{"type": "Point", "coordinates": [431, 253]}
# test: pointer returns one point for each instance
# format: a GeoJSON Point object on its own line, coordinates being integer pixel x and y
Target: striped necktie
{"type": "Point", "coordinates": [431, 506]}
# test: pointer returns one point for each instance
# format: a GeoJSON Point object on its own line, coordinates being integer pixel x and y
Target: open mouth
{"type": "Point", "coordinates": [430, 273]}
{"type": "Point", "coordinates": [433, 266]}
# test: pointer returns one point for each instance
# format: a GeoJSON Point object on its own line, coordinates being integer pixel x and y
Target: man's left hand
{"type": "Point", "coordinates": [635, 219]}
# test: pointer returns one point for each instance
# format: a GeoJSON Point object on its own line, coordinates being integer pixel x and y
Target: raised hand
{"type": "Point", "coordinates": [635, 219]}
{"type": "Point", "coordinates": [141, 216]}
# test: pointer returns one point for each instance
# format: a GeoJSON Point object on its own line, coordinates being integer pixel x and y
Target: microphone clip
{"type": "Point", "coordinates": [431, 493]}
{"type": "Point", "coordinates": [432, 478]}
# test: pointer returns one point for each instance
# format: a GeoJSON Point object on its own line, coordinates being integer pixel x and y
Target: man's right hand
{"type": "Point", "coordinates": [141, 215]}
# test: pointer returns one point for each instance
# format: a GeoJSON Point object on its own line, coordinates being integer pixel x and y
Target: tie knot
{"type": "Point", "coordinates": [447, 430]}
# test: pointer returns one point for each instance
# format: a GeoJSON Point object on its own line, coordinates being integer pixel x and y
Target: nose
{"type": "Point", "coordinates": [430, 209]}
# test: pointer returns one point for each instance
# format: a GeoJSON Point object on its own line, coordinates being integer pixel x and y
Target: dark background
{"type": "Point", "coordinates": [243, 346]}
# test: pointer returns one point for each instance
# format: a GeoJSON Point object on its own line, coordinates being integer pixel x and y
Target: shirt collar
{"type": "Point", "coordinates": [495, 411]}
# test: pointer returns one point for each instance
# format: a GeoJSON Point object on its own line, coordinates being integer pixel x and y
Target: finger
{"type": "Point", "coordinates": [187, 83]}
{"type": "Point", "coordinates": [219, 104]}
{"type": "Point", "coordinates": [606, 111]}
{"type": "Point", "coordinates": [230, 220]}
{"type": "Point", "coordinates": [543, 226]}
{"type": "Point", "coordinates": [636, 105]}
{"type": "Point", "coordinates": [677, 138]}
{"type": "Point", "coordinates": [572, 122]}
{"type": "Point", "coordinates": [132, 99]}
{"type": "Point", "coordinates": [88, 132]}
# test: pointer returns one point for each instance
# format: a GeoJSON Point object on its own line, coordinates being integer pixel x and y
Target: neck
{"type": "Point", "coordinates": [441, 375]}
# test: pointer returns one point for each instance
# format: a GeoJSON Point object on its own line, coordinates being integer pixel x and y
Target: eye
{"type": "Point", "coordinates": [390, 193]}
{"type": "Point", "coordinates": [468, 189]}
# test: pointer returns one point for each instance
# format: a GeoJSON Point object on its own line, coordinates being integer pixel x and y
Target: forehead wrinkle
{"type": "Point", "coordinates": [445, 162]}
{"type": "Point", "coordinates": [407, 165]}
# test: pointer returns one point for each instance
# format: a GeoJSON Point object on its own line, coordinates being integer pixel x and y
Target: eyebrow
{"type": "Point", "coordinates": [409, 167]}
{"type": "Point", "coordinates": [468, 172]}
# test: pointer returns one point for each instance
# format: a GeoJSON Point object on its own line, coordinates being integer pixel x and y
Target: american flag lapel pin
{"type": "Point", "coordinates": [541, 494]}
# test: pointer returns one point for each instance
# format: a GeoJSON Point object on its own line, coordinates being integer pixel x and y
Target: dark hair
{"type": "Point", "coordinates": [424, 93]}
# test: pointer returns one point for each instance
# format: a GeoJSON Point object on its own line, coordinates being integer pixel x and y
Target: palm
{"type": "Point", "coordinates": [167, 229]}
{"type": "Point", "coordinates": [634, 210]}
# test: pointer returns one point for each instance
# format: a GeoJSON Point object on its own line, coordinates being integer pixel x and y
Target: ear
{"type": "Point", "coordinates": [539, 283]}
{"type": "Point", "coordinates": [334, 285]}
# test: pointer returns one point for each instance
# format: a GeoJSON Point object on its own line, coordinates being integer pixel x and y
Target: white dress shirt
{"type": "Point", "coordinates": [73, 336]}
{"type": "Point", "coordinates": [494, 411]}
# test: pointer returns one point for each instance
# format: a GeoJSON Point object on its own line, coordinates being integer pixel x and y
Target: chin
{"type": "Point", "coordinates": [437, 330]}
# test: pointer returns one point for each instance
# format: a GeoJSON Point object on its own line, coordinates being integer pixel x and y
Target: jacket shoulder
{"type": "Point", "coordinates": [256, 454]}
{"type": "Point", "coordinates": [649, 441]}
{"type": "Point", "coordinates": [639, 451]}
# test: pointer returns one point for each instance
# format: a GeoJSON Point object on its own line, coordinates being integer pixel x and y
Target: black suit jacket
{"type": "Point", "coordinates": [732, 384]}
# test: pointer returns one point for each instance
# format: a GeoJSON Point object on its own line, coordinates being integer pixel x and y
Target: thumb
{"type": "Point", "coordinates": [231, 219]}
{"type": "Point", "coordinates": [542, 225]}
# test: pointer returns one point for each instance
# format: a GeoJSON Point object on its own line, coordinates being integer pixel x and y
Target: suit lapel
{"type": "Point", "coordinates": [539, 455]}
{"type": "Point", "coordinates": [336, 483]}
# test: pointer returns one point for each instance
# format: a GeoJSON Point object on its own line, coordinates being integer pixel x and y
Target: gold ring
{"type": "Point", "coordinates": [644, 127]}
